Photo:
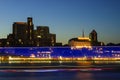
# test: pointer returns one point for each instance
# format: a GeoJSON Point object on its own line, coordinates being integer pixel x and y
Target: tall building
{"type": "Point", "coordinates": [24, 35]}
{"type": "Point", "coordinates": [30, 29]}
{"type": "Point", "coordinates": [23, 32]}
{"type": "Point", "coordinates": [20, 33]}
{"type": "Point", "coordinates": [94, 40]}
{"type": "Point", "coordinates": [93, 36]}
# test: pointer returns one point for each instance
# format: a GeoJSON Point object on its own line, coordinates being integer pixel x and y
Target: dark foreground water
{"type": "Point", "coordinates": [58, 75]}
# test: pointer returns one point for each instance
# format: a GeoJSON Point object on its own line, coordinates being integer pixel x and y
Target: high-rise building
{"type": "Point", "coordinates": [20, 33]}
{"type": "Point", "coordinates": [23, 32]}
{"type": "Point", "coordinates": [30, 29]}
{"type": "Point", "coordinates": [93, 36]}
{"type": "Point", "coordinates": [24, 35]}
{"type": "Point", "coordinates": [94, 40]}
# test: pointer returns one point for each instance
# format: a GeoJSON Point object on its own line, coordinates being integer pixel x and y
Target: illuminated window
{"type": "Point", "coordinates": [30, 23]}
{"type": "Point", "coordinates": [30, 31]}
{"type": "Point", "coordinates": [38, 36]}
{"type": "Point", "coordinates": [19, 40]}
{"type": "Point", "coordinates": [26, 31]}
{"type": "Point", "coordinates": [8, 43]}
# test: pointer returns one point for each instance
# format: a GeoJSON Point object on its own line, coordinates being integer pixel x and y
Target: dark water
{"type": "Point", "coordinates": [60, 75]}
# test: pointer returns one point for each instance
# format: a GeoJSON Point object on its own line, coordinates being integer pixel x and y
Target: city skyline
{"type": "Point", "coordinates": [65, 17]}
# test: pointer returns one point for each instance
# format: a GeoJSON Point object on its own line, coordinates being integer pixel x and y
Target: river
{"type": "Point", "coordinates": [55, 74]}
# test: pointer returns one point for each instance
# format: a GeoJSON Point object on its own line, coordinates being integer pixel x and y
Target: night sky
{"type": "Point", "coordinates": [65, 18]}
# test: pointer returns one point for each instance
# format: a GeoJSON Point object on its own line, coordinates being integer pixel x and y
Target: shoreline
{"type": "Point", "coordinates": [62, 67]}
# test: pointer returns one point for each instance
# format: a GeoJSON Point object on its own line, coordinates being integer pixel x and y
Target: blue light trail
{"type": "Point", "coordinates": [65, 52]}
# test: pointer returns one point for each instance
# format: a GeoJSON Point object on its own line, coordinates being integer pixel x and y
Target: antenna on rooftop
{"type": "Point", "coordinates": [83, 33]}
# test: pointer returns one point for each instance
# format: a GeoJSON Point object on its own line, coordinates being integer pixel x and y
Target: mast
{"type": "Point", "coordinates": [83, 33]}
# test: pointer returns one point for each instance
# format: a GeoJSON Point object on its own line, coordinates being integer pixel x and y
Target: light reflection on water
{"type": "Point", "coordinates": [84, 76]}
{"type": "Point", "coordinates": [60, 75]}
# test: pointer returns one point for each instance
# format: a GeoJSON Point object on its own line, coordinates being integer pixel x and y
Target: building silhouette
{"type": "Point", "coordinates": [80, 42]}
{"type": "Point", "coordinates": [43, 37]}
{"type": "Point", "coordinates": [93, 36]}
{"type": "Point", "coordinates": [94, 39]}
{"type": "Point", "coordinates": [30, 29]}
{"type": "Point", "coordinates": [3, 42]}
{"type": "Point", "coordinates": [24, 35]}
{"type": "Point", "coordinates": [10, 40]}
{"type": "Point", "coordinates": [87, 42]}
{"type": "Point", "coordinates": [20, 33]}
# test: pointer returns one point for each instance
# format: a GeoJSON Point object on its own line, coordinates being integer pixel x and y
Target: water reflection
{"type": "Point", "coordinates": [61, 75]}
{"type": "Point", "coordinates": [84, 76]}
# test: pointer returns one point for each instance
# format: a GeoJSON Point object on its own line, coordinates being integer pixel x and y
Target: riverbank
{"type": "Point", "coordinates": [109, 67]}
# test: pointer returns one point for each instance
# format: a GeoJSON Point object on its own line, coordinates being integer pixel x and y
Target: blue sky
{"type": "Point", "coordinates": [65, 18]}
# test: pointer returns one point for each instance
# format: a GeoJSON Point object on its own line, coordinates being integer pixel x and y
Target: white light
{"type": "Point", "coordinates": [60, 57]}
{"type": "Point", "coordinates": [32, 55]}
{"type": "Point", "coordinates": [39, 36]}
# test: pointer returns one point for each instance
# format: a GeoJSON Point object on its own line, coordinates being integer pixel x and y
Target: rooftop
{"type": "Point", "coordinates": [20, 22]}
{"type": "Point", "coordinates": [80, 39]}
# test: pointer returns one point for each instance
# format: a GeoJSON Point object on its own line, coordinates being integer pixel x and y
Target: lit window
{"type": "Point", "coordinates": [19, 40]}
{"type": "Point", "coordinates": [38, 36]}
{"type": "Point", "coordinates": [8, 43]}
